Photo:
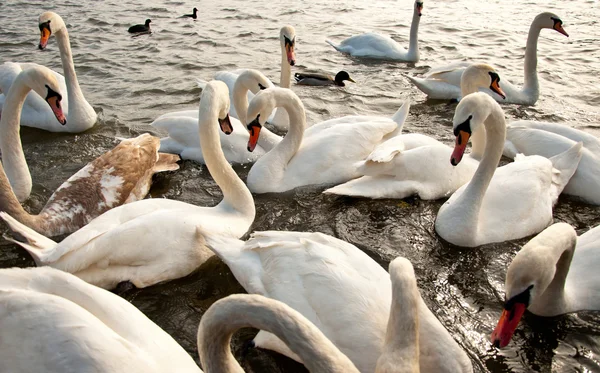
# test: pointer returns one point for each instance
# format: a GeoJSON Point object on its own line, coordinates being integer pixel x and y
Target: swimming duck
{"type": "Point", "coordinates": [140, 28]}
{"type": "Point", "coordinates": [323, 79]}
{"type": "Point", "coordinates": [194, 15]}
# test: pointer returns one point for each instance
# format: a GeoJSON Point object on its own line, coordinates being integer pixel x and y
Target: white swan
{"type": "Point", "coordinates": [553, 274]}
{"type": "Point", "coordinates": [63, 324]}
{"type": "Point", "coordinates": [80, 114]}
{"type": "Point", "coordinates": [153, 240]}
{"type": "Point", "coordinates": [287, 41]}
{"type": "Point", "coordinates": [506, 203]}
{"type": "Point", "coordinates": [182, 127]}
{"type": "Point", "coordinates": [344, 292]}
{"type": "Point", "coordinates": [325, 153]}
{"type": "Point", "coordinates": [550, 139]}
{"type": "Point", "coordinates": [377, 46]}
{"type": "Point", "coordinates": [121, 175]}
{"type": "Point", "coordinates": [412, 164]}
{"type": "Point", "coordinates": [444, 82]}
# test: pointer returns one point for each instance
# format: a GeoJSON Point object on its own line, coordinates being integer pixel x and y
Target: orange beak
{"type": "Point", "coordinates": [54, 103]}
{"type": "Point", "coordinates": [507, 325]}
{"type": "Point", "coordinates": [225, 125]}
{"type": "Point", "coordinates": [254, 128]}
{"type": "Point", "coordinates": [459, 148]}
{"type": "Point", "coordinates": [495, 86]}
{"type": "Point", "coordinates": [44, 36]}
{"type": "Point", "coordinates": [420, 10]}
{"type": "Point", "coordinates": [291, 56]}
{"type": "Point", "coordinates": [558, 27]}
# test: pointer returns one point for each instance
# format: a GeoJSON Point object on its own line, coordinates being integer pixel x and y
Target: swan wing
{"type": "Point", "coordinates": [590, 142]}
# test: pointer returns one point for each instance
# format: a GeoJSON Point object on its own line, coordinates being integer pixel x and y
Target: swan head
{"type": "Point", "coordinates": [530, 274]}
{"type": "Point", "coordinates": [469, 116]}
{"type": "Point", "coordinates": [341, 76]}
{"type": "Point", "coordinates": [42, 80]}
{"type": "Point", "coordinates": [49, 23]}
{"type": "Point", "coordinates": [287, 37]}
{"type": "Point", "coordinates": [481, 75]}
{"type": "Point", "coordinates": [551, 21]}
{"type": "Point", "coordinates": [217, 91]}
{"type": "Point", "coordinates": [259, 110]}
{"type": "Point", "coordinates": [419, 7]}
{"type": "Point", "coordinates": [252, 80]}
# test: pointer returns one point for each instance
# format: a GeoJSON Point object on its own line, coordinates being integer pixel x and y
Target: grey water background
{"type": "Point", "coordinates": [132, 80]}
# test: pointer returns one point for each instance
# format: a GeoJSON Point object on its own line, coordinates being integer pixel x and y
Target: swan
{"type": "Point", "coordinates": [444, 82]}
{"type": "Point", "coordinates": [325, 153]}
{"type": "Point", "coordinates": [182, 127]}
{"type": "Point", "coordinates": [510, 202]}
{"type": "Point", "coordinates": [344, 292]}
{"type": "Point", "coordinates": [63, 324]}
{"type": "Point", "coordinates": [119, 176]}
{"type": "Point", "coordinates": [323, 79]}
{"type": "Point", "coordinates": [412, 164]}
{"type": "Point", "coordinates": [145, 28]}
{"type": "Point", "coordinates": [550, 139]}
{"type": "Point", "coordinates": [153, 240]}
{"type": "Point", "coordinates": [80, 114]}
{"type": "Point", "coordinates": [377, 46]}
{"type": "Point", "coordinates": [553, 274]}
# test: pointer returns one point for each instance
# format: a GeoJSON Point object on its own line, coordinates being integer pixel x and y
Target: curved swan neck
{"type": "Point", "coordinates": [235, 192]}
{"type": "Point", "coordinates": [401, 348]}
{"type": "Point", "coordinates": [238, 311]}
{"type": "Point", "coordinates": [468, 86]}
{"type": "Point", "coordinates": [531, 84]}
{"type": "Point", "coordinates": [413, 46]}
{"type": "Point", "coordinates": [74, 93]}
{"type": "Point", "coordinates": [11, 147]}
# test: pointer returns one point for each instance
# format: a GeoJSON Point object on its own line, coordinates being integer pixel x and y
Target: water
{"type": "Point", "coordinates": [132, 80]}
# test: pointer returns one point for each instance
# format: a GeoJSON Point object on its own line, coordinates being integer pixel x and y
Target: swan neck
{"type": "Point", "coordinates": [478, 141]}
{"type": "Point", "coordinates": [11, 147]}
{"type": "Point", "coordinates": [240, 101]}
{"type": "Point", "coordinates": [74, 93]}
{"type": "Point", "coordinates": [531, 84]}
{"type": "Point", "coordinates": [235, 192]}
{"type": "Point", "coordinates": [239, 311]}
{"type": "Point", "coordinates": [286, 71]}
{"type": "Point", "coordinates": [290, 144]}
{"type": "Point", "coordinates": [413, 46]}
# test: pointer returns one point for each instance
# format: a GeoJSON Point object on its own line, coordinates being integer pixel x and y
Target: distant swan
{"type": "Point", "coordinates": [80, 114]}
{"type": "Point", "coordinates": [153, 240]}
{"type": "Point", "coordinates": [377, 46]}
{"type": "Point", "coordinates": [444, 82]}
{"type": "Point", "coordinates": [500, 203]}
{"type": "Point", "coordinates": [119, 176]}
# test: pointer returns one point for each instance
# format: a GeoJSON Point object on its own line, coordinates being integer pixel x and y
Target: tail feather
{"type": "Point", "coordinates": [400, 117]}
{"type": "Point", "coordinates": [201, 83]}
{"type": "Point", "coordinates": [226, 248]}
{"type": "Point", "coordinates": [565, 164]}
{"type": "Point", "coordinates": [36, 244]}
{"type": "Point", "coordinates": [333, 45]}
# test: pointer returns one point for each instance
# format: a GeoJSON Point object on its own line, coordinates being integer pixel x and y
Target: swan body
{"type": "Point", "coordinates": [153, 240]}
{"type": "Point", "coordinates": [121, 175]}
{"type": "Point", "coordinates": [553, 274]}
{"type": "Point", "coordinates": [339, 288]}
{"type": "Point", "coordinates": [504, 203]}
{"type": "Point", "coordinates": [415, 164]}
{"type": "Point", "coordinates": [64, 324]}
{"type": "Point", "coordinates": [550, 139]}
{"type": "Point", "coordinates": [377, 46]}
{"type": "Point", "coordinates": [80, 114]}
{"type": "Point", "coordinates": [444, 82]}
{"type": "Point", "coordinates": [325, 153]}
{"type": "Point", "coordinates": [323, 79]}
{"type": "Point", "coordinates": [182, 127]}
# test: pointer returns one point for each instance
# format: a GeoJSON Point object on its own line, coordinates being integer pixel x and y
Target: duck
{"type": "Point", "coordinates": [121, 175]}
{"type": "Point", "coordinates": [323, 79]}
{"type": "Point", "coordinates": [193, 15]}
{"type": "Point", "coordinates": [310, 157]}
{"type": "Point", "coordinates": [357, 305]}
{"type": "Point", "coordinates": [153, 240]}
{"type": "Point", "coordinates": [444, 82]}
{"type": "Point", "coordinates": [182, 127]}
{"type": "Point", "coordinates": [80, 115]}
{"type": "Point", "coordinates": [504, 203]}
{"type": "Point", "coordinates": [415, 164]}
{"type": "Point", "coordinates": [145, 28]}
{"type": "Point", "coordinates": [382, 47]}
{"type": "Point", "coordinates": [287, 41]}
{"type": "Point", "coordinates": [549, 139]}
{"type": "Point", "coordinates": [553, 274]}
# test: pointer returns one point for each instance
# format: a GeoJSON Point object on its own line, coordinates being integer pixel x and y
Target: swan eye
{"type": "Point", "coordinates": [45, 25]}
{"type": "Point", "coordinates": [261, 87]}
{"type": "Point", "coordinates": [523, 298]}
{"type": "Point", "coordinates": [464, 126]}
{"type": "Point", "coordinates": [53, 93]}
{"type": "Point", "coordinates": [288, 41]}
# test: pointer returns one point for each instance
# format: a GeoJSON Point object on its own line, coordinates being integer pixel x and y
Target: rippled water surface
{"type": "Point", "coordinates": [132, 80]}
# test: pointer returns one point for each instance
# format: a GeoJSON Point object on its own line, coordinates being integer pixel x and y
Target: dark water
{"type": "Point", "coordinates": [130, 81]}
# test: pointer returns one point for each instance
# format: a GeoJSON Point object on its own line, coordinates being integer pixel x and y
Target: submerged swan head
{"type": "Point", "coordinates": [530, 274]}
{"type": "Point", "coordinates": [43, 82]}
{"type": "Point", "coordinates": [217, 92]}
{"type": "Point", "coordinates": [419, 7]}
{"type": "Point", "coordinates": [469, 116]}
{"type": "Point", "coordinates": [551, 21]}
{"type": "Point", "coordinates": [480, 75]}
{"type": "Point", "coordinates": [287, 38]}
{"type": "Point", "coordinates": [49, 23]}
